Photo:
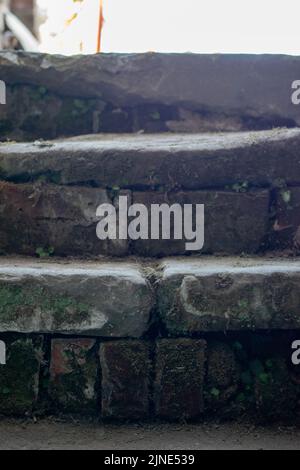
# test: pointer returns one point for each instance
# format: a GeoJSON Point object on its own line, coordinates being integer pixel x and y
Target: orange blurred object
{"type": "Point", "coordinates": [101, 23]}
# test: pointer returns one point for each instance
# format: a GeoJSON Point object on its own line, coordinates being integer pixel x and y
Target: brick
{"type": "Point", "coordinates": [19, 377]}
{"type": "Point", "coordinates": [126, 370]}
{"type": "Point", "coordinates": [179, 378]}
{"type": "Point", "coordinates": [223, 374]}
{"type": "Point", "coordinates": [73, 375]}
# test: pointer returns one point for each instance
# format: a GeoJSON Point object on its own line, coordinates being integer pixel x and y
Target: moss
{"type": "Point", "coordinates": [80, 107]}
{"type": "Point", "coordinates": [286, 196]}
{"type": "Point", "coordinates": [261, 385]}
{"type": "Point", "coordinates": [68, 390]}
{"type": "Point", "coordinates": [18, 378]}
{"type": "Point", "coordinates": [68, 394]}
{"type": "Point", "coordinates": [222, 379]}
{"type": "Point", "coordinates": [18, 301]}
{"type": "Point", "coordinates": [276, 396]}
{"type": "Point", "coordinates": [44, 252]}
{"type": "Point", "coordinates": [37, 93]}
{"type": "Point", "coordinates": [155, 116]}
{"type": "Point", "coordinates": [240, 187]}
{"type": "Point", "coordinates": [75, 114]}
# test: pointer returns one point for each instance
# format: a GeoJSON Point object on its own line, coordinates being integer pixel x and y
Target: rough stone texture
{"type": "Point", "coordinates": [276, 396]}
{"type": "Point", "coordinates": [19, 377]}
{"type": "Point", "coordinates": [126, 369]}
{"type": "Point", "coordinates": [227, 91]}
{"type": "Point", "coordinates": [45, 115]}
{"type": "Point", "coordinates": [179, 378]}
{"type": "Point", "coordinates": [223, 374]}
{"type": "Point", "coordinates": [46, 216]}
{"type": "Point", "coordinates": [286, 226]}
{"type": "Point", "coordinates": [98, 298]}
{"type": "Point", "coordinates": [189, 161]}
{"type": "Point", "coordinates": [229, 294]}
{"type": "Point", "coordinates": [73, 375]}
{"type": "Point", "coordinates": [234, 222]}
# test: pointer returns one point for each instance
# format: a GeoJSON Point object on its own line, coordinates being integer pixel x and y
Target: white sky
{"type": "Point", "coordinates": [206, 26]}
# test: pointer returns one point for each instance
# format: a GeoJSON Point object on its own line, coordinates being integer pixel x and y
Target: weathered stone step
{"type": "Point", "coordinates": [100, 299]}
{"type": "Point", "coordinates": [115, 299]}
{"type": "Point", "coordinates": [166, 161]}
{"type": "Point", "coordinates": [152, 92]}
{"type": "Point", "coordinates": [248, 182]}
{"type": "Point", "coordinates": [90, 338]}
{"type": "Point", "coordinates": [207, 294]}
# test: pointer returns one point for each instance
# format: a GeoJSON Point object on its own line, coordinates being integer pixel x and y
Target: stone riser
{"type": "Point", "coordinates": [64, 96]}
{"type": "Point", "coordinates": [173, 379]}
{"type": "Point", "coordinates": [248, 182]}
{"type": "Point", "coordinates": [64, 218]}
{"type": "Point", "coordinates": [34, 217]}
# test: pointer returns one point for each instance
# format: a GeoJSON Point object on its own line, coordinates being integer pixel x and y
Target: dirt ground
{"type": "Point", "coordinates": [55, 434]}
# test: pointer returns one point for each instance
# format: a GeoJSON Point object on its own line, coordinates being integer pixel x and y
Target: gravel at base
{"type": "Point", "coordinates": [52, 434]}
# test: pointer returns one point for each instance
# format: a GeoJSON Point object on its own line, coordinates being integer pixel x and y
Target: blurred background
{"type": "Point", "coordinates": [214, 26]}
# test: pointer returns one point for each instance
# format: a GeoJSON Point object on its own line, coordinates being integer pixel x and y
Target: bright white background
{"type": "Point", "coordinates": [206, 26]}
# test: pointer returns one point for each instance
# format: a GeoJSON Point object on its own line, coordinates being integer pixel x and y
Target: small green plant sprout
{"type": "Point", "coordinates": [215, 392]}
{"type": "Point", "coordinates": [240, 187]}
{"type": "Point", "coordinates": [44, 252]}
{"type": "Point", "coordinates": [155, 116]}
{"type": "Point", "coordinates": [42, 91]}
{"type": "Point", "coordinates": [237, 346]}
{"type": "Point", "coordinates": [286, 196]}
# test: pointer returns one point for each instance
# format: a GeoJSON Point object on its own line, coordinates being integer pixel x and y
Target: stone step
{"type": "Point", "coordinates": [116, 299]}
{"type": "Point", "coordinates": [151, 92]}
{"type": "Point", "coordinates": [152, 161]}
{"type": "Point", "coordinates": [248, 182]}
{"type": "Point", "coordinates": [229, 294]}
{"type": "Point", "coordinates": [205, 338]}
{"type": "Point", "coordinates": [75, 298]}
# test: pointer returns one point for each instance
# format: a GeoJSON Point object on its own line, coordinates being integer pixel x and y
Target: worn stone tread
{"type": "Point", "coordinates": [80, 298]}
{"type": "Point", "coordinates": [233, 294]}
{"type": "Point", "coordinates": [115, 299]}
{"type": "Point", "coordinates": [171, 161]}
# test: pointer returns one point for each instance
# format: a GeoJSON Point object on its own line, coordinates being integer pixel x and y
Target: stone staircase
{"type": "Point", "coordinates": [143, 329]}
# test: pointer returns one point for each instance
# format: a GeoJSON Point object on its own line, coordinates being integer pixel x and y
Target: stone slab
{"type": "Point", "coordinates": [98, 298]}
{"type": "Point", "coordinates": [169, 161]}
{"type": "Point", "coordinates": [229, 294]}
